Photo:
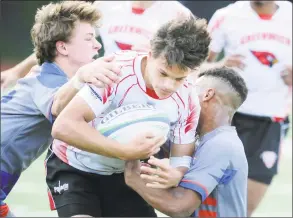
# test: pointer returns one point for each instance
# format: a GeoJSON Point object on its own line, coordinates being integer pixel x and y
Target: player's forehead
{"type": "Point", "coordinates": [83, 29]}
{"type": "Point", "coordinates": [173, 70]}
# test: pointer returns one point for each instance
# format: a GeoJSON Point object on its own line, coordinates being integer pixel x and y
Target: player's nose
{"type": "Point", "coordinates": [97, 45]}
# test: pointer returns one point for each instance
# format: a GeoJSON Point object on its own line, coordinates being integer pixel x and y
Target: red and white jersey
{"type": "Point", "coordinates": [124, 26]}
{"type": "Point", "coordinates": [182, 108]}
{"type": "Point", "coordinates": [266, 44]}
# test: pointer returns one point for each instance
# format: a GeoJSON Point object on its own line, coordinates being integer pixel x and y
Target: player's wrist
{"type": "Point", "coordinates": [77, 83]}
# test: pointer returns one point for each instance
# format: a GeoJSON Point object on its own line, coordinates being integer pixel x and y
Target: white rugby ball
{"type": "Point", "coordinates": [123, 124]}
{"type": "Point", "coordinates": [126, 122]}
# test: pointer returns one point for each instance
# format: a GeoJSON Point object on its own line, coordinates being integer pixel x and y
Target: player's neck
{"type": "Point", "coordinates": [212, 121]}
{"type": "Point", "coordinates": [268, 9]}
{"type": "Point", "coordinates": [68, 68]}
{"type": "Point", "coordinates": [142, 4]}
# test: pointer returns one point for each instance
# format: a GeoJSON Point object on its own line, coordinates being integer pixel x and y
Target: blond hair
{"type": "Point", "coordinates": [56, 22]}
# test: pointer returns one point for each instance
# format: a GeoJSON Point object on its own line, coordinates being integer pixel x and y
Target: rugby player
{"type": "Point", "coordinates": [89, 166]}
{"type": "Point", "coordinates": [216, 183]}
{"type": "Point", "coordinates": [64, 40]}
{"type": "Point", "coordinates": [257, 40]}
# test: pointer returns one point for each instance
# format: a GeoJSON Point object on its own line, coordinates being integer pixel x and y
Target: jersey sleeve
{"type": "Point", "coordinates": [208, 170]}
{"type": "Point", "coordinates": [183, 132]}
{"type": "Point", "coordinates": [43, 89]}
{"type": "Point", "coordinates": [217, 32]}
{"type": "Point", "coordinates": [98, 99]}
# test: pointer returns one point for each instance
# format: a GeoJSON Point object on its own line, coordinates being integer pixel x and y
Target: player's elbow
{"type": "Point", "coordinates": [61, 128]}
{"type": "Point", "coordinates": [178, 211]}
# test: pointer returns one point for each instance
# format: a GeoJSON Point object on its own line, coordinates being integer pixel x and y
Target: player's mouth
{"type": "Point", "coordinates": [165, 92]}
{"type": "Point", "coordinates": [95, 56]}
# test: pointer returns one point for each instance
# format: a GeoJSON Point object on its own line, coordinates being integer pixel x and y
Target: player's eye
{"type": "Point", "coordinates": [163, 74]}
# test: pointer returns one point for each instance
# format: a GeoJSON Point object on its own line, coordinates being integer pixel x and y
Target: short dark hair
{"type": "Point", "coordinates": [231, 77]}
{"type": "Point", "coordinates": [183, 42]}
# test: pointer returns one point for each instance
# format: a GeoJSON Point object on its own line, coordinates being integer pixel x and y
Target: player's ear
{"type": "Point", "coordinates": [208, 95]}
{"type": "Point", "coordinates": [149, 54]}
{"type": "Point", "coordinates": [61, 48]}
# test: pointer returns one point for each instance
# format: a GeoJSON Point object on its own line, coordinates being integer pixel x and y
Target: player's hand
{"type": "Point", "coordinates": [286, 75]}
{"type": "Point", "coordinates": [101, 72]}
{"type": "Point", "coordinates": [9, 78]}
{"type": "Point", "coordinates": [143, 146]}
{"type": "Point", "coordinates": [161, 174]}
{"type": "Point", "coordinates": [234, 61]}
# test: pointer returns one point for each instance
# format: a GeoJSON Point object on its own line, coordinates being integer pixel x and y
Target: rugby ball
{"type": "Point", "coordinates": [123, 124]}
{"type": "Point", "coordinates": [127, 121]}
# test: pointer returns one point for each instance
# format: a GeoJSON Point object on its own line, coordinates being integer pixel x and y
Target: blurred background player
{"type": "Point", "coordinates": [125, 25]}
{"type": "Point", "coordinates": [256, 37]}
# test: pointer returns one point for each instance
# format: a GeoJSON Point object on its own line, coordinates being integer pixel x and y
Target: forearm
{"type": "Point", "coordinates": [166, 201]}
{"type": "Point", "coordinates": [83, 136]}
{"type": "Point", "coordinates": [62, 97]}
{"type": "Point", "coordinates": [24, 67]}
{"type": "Point", "coordinates": [180, 157]}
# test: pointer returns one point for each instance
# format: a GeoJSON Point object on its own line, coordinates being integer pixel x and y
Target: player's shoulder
{"type": "Point", "coordinates": [127, 59]}
{"type": "Point", "coordinates": [286, 8]}
{"type": "Point", "coordinates": [48, 75]}
{"type": "Point", "coordinates": [232, 9]}
{"type": "Point", "coordinates": [225, 140]}
{"type": "Point", "coordinates": [175, 5]}
{"type": "Point", "coordinates": [187, 94]}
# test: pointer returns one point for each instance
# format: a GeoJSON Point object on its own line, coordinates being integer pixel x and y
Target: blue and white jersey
{"type": "Point", "coordinates": [219, 174]}
{"type": "Point", "coordinates": [26, 120]}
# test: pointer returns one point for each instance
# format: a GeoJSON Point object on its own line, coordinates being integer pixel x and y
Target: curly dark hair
{"type": "Point", "coordinates": [183, 42]}
{"type": "Point", "coordinates": [56, 22]}
{"type": "Point", "coordinates": [231, 77]}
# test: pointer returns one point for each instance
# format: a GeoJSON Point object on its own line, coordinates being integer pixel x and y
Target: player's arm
{"type": "Point", "coordinates": [195, 187]}
{"type": "Point", "coordinates": [71, 126]}
{"type": "Point", "coordinates": [182, 143]}
{"type": "Point", "coordinates": [174, 202]}
{"type": "Point", "coordinates": [10, 76]}
{"type": "Point", "coordinates": [286, 75]}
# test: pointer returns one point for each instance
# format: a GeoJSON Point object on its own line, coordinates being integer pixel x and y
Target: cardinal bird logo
{"type": "Point", "coordinates": [265, 58]}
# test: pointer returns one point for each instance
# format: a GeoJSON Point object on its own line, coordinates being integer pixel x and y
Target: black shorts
{"type": "Point", "coordinates": [261, 138]}
{"type": "Point", "coordinates": [74, 192]}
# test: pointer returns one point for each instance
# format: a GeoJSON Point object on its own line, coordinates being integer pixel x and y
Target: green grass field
{"type": "Point", "coordinates": [29, 197]}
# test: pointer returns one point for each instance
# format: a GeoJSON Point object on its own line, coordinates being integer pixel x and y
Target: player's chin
{"type": "Point", "coordinates": [95, 56]}
{"type": "Point", "coordinates": [163, 94]}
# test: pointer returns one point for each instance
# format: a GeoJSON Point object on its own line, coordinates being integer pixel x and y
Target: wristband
{"type": "Point", "coordinates": [184, 161]}
{"type": "Point", "coordinates": [76, 83]}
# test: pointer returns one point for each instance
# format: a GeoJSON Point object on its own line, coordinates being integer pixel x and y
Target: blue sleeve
{"type": "Point", "coordinates": [45, 88]}
{"type": "Point", "coordinates": [209, 169]}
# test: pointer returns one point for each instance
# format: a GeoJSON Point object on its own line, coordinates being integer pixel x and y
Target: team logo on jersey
{"type": "Point", "coordinates": [269, 158]}
{"type": "Point", "coordinates": [265, 58]}
{"type": "Point", "coordinates": [228, 175]}
{"type": "Point", "coordinates": [190, 122]}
